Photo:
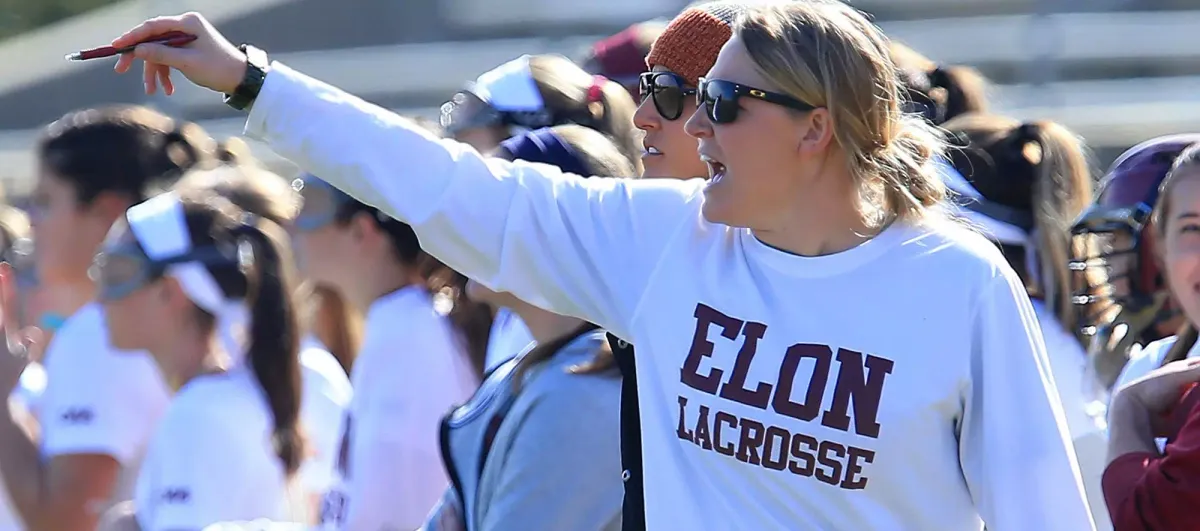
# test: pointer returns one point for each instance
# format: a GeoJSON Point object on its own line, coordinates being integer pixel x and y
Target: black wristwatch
{"type": "Point", "coordinates": [257, 66]}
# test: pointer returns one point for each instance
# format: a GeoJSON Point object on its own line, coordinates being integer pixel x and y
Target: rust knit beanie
{"type": "Point", "coordinates": [690, 44]}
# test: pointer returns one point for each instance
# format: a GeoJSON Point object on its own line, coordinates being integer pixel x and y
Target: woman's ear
{"type": "Point", "coordinates": [816, 130]}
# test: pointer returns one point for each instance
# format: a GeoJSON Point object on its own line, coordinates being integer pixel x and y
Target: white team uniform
{"type": "Point", "coordinates": [99, 400]}
{"type": "Point", "coordinates": [409, 372]}
{"type": "Point", "coordinates": [212, 460]}
{"type": "Point", "coordinates": [1068, 362]}
{"type": "Point", "coordinates": [326, 395]}
{"type": "Point", "coordinates": [26, 398]}
{"type": "Point", "coordinates": [902, 384]}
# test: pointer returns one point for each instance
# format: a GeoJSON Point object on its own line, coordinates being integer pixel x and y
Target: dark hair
{"type": "Point", "coordinates": [472, 320]}
{"type": "Point", "coordinates": [267, 287]}
{"type": "Point", "coordinates": [1040, 169]}
{"type": "Point", "coordinates": [235, 152]}
{"type": "Point", "coordinates": [127, 150]}
{"type": "Point", "coordinates": [1187, 161]}
{"type": "Point", "coordinates": [266, 194]}
{"type": "Point", "coordinates": [939, 93]}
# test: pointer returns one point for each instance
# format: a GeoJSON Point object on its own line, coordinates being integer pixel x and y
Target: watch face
{"type": "Point", "coordinates": [255, 56]}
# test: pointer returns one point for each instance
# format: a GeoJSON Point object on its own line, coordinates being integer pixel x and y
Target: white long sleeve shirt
{"type": "Point", "coordinates": [902, 384]}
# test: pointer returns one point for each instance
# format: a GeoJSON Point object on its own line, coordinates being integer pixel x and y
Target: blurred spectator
{"type": "Point", "coordinates": [1023, 184]}
{"type": "Point", "coordinates": [532, 92]}
{"type": "Point", "coordinates": [549, 437]}
{"type": "Point", "coordinates": [326, 387]}
{"type": "Point", "coordinates": [1128, 304]}
{"type": "Point", "coordinates": [939, 92]}
{"type": "Point", "coordinates": [423, 351]}
{"type": "Point", "coordinates": [101, 404]}
{"type": "Point", "coordinates": [174, 277]}
{"type": "Point", "coordinates": [1154, 443]}
{"type": "Point", "coordinates": [622, 57]}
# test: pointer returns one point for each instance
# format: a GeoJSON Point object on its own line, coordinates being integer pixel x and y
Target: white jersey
{"type": "Point", "coordinates": [326, 395]}
{"type": "Point", "coordinates": [99, 400]}
{"type": "Point", "coordinates": [211, 458]}
{"type": "Point", "coordinates": [902, 384]}
{"type": "Point", "coordinates": [410, 371]}
{"type": "Point", "coordinates": [1068, 363]}
{"type": "Point", "coordinates": [25, 399]}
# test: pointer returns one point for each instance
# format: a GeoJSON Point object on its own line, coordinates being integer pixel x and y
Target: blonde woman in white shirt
{"type": "Point", "coordinates": [230, 443]}
{"type": "Point", "coordinates": [816, 349]}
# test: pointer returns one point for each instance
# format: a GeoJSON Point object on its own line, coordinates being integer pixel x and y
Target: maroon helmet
{"type": "Point", "coordinates": [1122, 293]}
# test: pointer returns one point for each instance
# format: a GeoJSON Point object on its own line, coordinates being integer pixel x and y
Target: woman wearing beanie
{"type": "Point", "coordinates": [684, 52]}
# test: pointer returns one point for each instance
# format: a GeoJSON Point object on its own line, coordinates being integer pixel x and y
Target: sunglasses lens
{"type": "Point", "coordinates": [720, 101]}
{"type": "Point", "coordinates": [668, 96]}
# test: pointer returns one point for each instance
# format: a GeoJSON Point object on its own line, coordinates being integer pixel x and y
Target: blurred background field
{"type": "Point", "coordinates": [1115, 71]}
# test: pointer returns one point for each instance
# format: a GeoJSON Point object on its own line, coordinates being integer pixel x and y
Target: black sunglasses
{"type": "Point", "coordinates": [667, 91]}
{"type": "Point", "coordinates": [720, 99]}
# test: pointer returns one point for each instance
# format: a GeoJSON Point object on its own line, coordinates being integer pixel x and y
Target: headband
{"type": "Point", "coordinates": [546, 147]}
{"type": "Point", "coordinates": [509, 87]}
{"type": "Point", "coordinates": [1003, 224]}
{"type": "Point", "coordinates": [159, 225]}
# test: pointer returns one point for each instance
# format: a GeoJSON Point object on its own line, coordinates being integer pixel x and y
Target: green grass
{"type": "Point", "coordinates": [19, 16]}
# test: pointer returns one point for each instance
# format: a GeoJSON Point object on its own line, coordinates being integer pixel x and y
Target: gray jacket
{"type": "Point", "coordinates": [554, 462]}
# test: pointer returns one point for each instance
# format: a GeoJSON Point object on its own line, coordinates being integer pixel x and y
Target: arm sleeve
{"type": "Point", "coordinates": [580, 247]}
{"type": "Point", "coordinates": [112, 413]}
{"type": "Point", "coordinates": [192, 482]}
{"type": "Point", "coordinates": [566, 438]}
{"type": "Point", "coordinates": [1013, 445]}
{"type": "Point", "coordinates": [1152, 493]}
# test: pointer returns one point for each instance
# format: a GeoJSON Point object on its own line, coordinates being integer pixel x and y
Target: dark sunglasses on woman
{"type": "Point", "coordinates": [668, 92]}
{"type": "Point", "coordinates": [720, 99]}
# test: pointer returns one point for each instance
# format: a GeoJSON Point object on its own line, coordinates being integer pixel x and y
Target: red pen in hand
{"type": "Point", "coordinates": [174, 39]}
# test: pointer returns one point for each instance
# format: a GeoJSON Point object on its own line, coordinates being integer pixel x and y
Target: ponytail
{"type": "Point", "coordinates": [1062, 189]}
{"type": "Point", "coordinates": [957, 90]}
{"type": "Point", "coordinates": [235, 152]}
{"type": "Point", "coordinates": [274, 340]}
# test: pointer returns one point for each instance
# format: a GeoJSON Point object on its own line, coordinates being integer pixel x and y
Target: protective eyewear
{"type": "Point", "coordinates": [322, 204]}
{"type": "Point", "coordinates": [719, 98]}
{"type": "Point", "coordinates": [668, 91]}
{"type": "Point", "coordinates": [465, 111]}
{"type": "Point", "coordinates": [123, 267]}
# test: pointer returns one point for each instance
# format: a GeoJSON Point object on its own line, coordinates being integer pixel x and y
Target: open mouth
{"type": "Point", "coordinates": [648, 151]}
{"type": "Point", "coordinates": [716, 169]}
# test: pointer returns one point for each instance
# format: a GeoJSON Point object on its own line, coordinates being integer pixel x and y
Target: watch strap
{"type": "Point", "coordinates": [247, 91]}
